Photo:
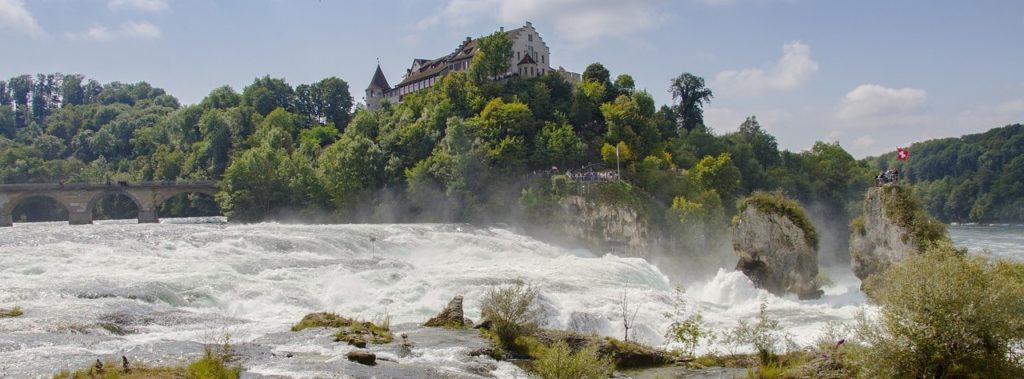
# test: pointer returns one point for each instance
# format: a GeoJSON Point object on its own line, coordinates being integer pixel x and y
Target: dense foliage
{"type": "Point", "coordinates": [945, 315]}
{"type": "Point", "coordinates": [974, 178]}
{"type": "Point", "coordinates": [461, 150]}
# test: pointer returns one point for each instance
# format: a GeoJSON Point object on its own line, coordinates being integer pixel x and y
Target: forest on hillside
{"type": "Point", "coordinates": [973, 178]}
{"type": "Point", "coordinates": [462, 150]}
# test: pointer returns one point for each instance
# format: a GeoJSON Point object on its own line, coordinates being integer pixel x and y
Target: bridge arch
{"type": "Point", "coordinates": [197, 203]}
{"type": "Point", "coordinates": [113, 191]}
{"type": "Point", "coordinates": [80, 198]}
{"type": "Point", "coordinates": [7, 211]}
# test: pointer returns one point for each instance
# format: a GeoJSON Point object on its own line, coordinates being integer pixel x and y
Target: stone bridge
{"type": "Point", "coordinates": [80, 198]}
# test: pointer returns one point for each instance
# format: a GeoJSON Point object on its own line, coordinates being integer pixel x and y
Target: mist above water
{"type": "Point", "coordinates": [157, 292]}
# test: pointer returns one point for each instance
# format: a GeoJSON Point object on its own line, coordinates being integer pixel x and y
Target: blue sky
{"type": "Point", "coordinates": [872, 75]}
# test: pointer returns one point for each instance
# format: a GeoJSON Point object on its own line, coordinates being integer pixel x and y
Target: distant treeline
{"type": "Point", "coordinates": [974, 178]}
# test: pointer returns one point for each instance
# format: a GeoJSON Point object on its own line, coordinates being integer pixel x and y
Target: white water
{"type": "Point", "coordinates": [157, 292]}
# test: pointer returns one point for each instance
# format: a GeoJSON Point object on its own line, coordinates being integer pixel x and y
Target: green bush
{"type": "Point", "coordinates": [945, 315]}
{"type": "Point", "coordinates": [559, 362]}
{"type": "Point", "coordinates": [903, 208]}
{"type": "Point", "coordinates": [775, 203]}
{"type": "Point", "coordinates": [511, 310]}
{"type": "Point", "coordinates": [765, 336]}
{"type": "Point", "coordinates": [685, 328]}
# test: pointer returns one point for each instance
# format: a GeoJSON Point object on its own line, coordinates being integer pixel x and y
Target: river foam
{"type": "Point", "coordinates": [158, 292]}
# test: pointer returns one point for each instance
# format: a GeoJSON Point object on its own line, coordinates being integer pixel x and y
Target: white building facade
{"type": "Point", "coordinates": [531, 58]}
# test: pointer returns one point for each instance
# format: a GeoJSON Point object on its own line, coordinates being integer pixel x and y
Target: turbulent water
{"type": "Point", "coordinates": [158, 292]}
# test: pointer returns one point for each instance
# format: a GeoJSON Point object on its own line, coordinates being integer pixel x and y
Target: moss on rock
{"type": "Point", "coordinates": [775, 203]}
{"type": "Point", "coordinates": [13, 312]}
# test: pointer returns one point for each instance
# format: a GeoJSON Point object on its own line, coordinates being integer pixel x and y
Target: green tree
{"type": "Point", "coordinates": [690, 95]}
{"type": "Point", "coordinates": [267, 94]}
{"type": "Point", "coordinates": [492, 58]}
{"type": "Point", "coordinates": [350, 170]}
{"type": "Point", "coordinates": [719, 174]}
{"type": "Point", "coordinates": [251, 183]}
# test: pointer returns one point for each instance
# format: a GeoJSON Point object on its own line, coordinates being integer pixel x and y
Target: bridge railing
{"type": "Point", "coordinates": [81, 186]}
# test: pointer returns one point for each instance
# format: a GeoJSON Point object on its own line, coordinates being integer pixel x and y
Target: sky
{"type": "Point", "coordinates": [871, 75]}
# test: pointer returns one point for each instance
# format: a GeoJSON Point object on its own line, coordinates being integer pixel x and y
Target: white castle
{"type": "Point", "coordinates": [531, 58]}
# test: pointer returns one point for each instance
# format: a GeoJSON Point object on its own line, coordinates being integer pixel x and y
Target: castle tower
{"type": "Point", "coordinates": [375, 92]}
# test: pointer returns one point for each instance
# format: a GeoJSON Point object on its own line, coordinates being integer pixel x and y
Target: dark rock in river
{"type": "Point", "coordinates": [364, 357]}
{"type": "Point", "coordinates": [451, 316]}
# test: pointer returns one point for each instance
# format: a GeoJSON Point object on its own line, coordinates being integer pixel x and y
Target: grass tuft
{"type": "Point", "coordinates": [775, 203]}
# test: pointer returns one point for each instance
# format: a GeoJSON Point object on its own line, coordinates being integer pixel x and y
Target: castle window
{"type": "Point", "coordinates": [529, 37]}
{"type": "Point", "coordinates": [541, 59]}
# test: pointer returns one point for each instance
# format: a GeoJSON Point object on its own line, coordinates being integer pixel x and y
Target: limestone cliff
{"type": "Point", "coordinates": [604, 225]}
{"type": "Point", "coordinates": [893, 225]}
{"type": "Point", "coordinates": [777, 246]}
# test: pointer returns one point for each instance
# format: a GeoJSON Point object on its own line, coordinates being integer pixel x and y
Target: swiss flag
{"type": "Point", "coordinates": [902, 154]}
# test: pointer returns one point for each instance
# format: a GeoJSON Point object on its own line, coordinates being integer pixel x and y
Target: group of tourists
{"type": "Point", "coordinates": [888, 176]}
{"type": "Point", "coordinates": [592, 176]}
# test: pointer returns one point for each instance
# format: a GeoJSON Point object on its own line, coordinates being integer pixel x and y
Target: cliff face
{"type": "Point", "coordinates": [876, 241]}
{"type": "Point", "coordinates": [604, 225]}
{"type": "Point", "coordinates": [775, 254]}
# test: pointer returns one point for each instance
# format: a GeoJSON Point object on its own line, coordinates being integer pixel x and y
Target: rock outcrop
{"type": "Point", "coordinates": [451, 316]}
{"type": "Point", "coordinates": [602, 224]}
{"type": "Point", "coordinates": [777, 248]}
{"type": "Point", "coordinates": [892, 227]}
{"type": "Point", "coordinates": [361, 356]}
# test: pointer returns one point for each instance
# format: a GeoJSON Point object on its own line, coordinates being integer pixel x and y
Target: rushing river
{"type": "Point", "coordinates": [157, 292]}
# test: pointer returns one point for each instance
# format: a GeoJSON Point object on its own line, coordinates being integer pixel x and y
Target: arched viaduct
{"type": "Point", "coordinates": [80, 198]}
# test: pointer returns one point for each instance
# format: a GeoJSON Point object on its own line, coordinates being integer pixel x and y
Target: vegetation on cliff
{"type": "Point", "coordinates": [973, 178]}
{"type": "Point", "coordinates": [943, 314]}
{"type": "Point", "coordinates": [461, 150]}
{"type": "Point", "coordinates": [903, 208]}
{"type": "Point", "coordinates": [776, 204]}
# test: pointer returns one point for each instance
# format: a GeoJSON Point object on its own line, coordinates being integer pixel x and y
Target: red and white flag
{"type": "Point", "coordinates": [902, 154]}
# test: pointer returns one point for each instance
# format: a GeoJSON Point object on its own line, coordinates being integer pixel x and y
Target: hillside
{"type": "Point", "coordinates": [974, 178]}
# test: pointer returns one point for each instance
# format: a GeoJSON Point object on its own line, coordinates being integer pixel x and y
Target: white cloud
{"type": "Point", "coordinates": [142, 5]}
{"type": "Point", "coordinates": [793, 70]}
{"type": "Point", "coordinates": [880, 105]}
{"type": "Point", "coordinates": [864, 142]}
{"type": "Point", "coordinates": [579, 21]}
{"type": "Point", "coordinates": [992, 116]}
{"type": "Point", "coordinates": [14, 15]}
{"type": "Point", "coordinates": [128, 30]}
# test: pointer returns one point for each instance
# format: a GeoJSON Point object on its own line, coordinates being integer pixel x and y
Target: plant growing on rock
{"type": "Point", "coordinates": [558, 361]}
{"type": "Point", "coordinates": [686, 329]}
{"type": "Point", "coordinates": [511, 310]}
{"type": "Point", "coordinates": [765, 336]}
{"type": "Point", "coordinates": [945, 315]}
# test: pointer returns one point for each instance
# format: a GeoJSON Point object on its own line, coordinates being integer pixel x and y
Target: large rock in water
{"type": "Point", "coordinates": [775, 253]}
{"type": "Point", "coordinates": [893, 225]}
{"type": "Point", "coordinates": [452, 315]}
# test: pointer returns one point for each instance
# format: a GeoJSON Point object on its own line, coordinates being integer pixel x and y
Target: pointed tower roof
{"type": "Point", "coordinates": [379, 80]}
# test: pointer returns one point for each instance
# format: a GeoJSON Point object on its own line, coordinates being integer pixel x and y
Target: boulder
{"type": "Point", "coordinates": [776, 246]}
{"type": "Point", "coordinates": [361, 356]}
{"type": "Point", "coordinates": [451, 316]}
{"type": "Point", "coordinates": [892, 226]}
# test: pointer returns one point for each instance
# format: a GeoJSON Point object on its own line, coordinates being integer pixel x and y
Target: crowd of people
{"type": "Point", "coordinates": [582, 176]}
{"type": "Point", "coordinates": [888, 176]}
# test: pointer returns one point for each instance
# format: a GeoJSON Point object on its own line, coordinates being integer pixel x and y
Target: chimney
{"type": "Point", "coordinates": [529, 24]}
{"type": "Point", "coordinates": [501, 28]}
